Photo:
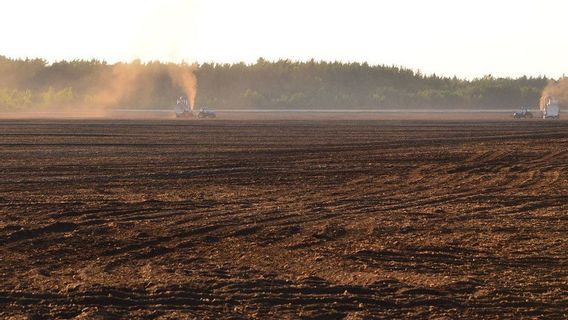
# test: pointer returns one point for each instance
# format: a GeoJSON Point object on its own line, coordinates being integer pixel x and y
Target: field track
{"type": "Point", "coordinates": [283, 219]}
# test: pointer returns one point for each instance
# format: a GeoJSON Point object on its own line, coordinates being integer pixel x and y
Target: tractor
{"type": "Point", "coordinates": [182, 108]}
{"type": "Point", "coordinates": [205, 113]}
{"type": "Point", "coordinates": [523, 114]}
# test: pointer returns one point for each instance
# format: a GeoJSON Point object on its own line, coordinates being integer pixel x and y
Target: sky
{"type": "Point", "coordinates": [466, 38]}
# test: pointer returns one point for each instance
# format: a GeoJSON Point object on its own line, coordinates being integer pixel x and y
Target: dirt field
{"type": "Point", "coordinates": [283, 219]}
{"type": "Point", "coordinates": [271, 115]}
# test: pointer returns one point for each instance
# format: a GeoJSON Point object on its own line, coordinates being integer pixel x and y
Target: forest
{"type": "Point", "coordinates": [32, 84]}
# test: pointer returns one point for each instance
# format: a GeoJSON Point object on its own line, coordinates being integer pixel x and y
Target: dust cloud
{"type": "Point", "coordinates": [122, 82]}
{"type": "Point", "coordinates": [107, 92]}
{"type": "Point", "coordinates": [134, 85]}
{"type": "Point", "coordinates": [555, 89]}
{"type": "Point", "coordinates": [183, 77]}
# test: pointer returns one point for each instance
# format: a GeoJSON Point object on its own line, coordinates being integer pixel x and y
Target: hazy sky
{"type": "Point", "coordinates": [465, 38]}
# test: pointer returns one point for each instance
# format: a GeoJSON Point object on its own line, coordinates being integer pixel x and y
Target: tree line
{"type": "Point", "coordinates": [283, 84]}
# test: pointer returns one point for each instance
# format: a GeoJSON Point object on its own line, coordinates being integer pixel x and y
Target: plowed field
{"type": "Point", "coordinates": [283, 219]}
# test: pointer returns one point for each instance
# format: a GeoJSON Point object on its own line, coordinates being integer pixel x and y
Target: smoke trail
{"type": "Point", "coordinates": [555, 89]}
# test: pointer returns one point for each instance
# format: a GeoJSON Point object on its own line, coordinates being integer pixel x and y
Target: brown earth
{"type": "Point", "coordinates": [463, 115]}
{"type": "Point", "coordinates": [283, 219]}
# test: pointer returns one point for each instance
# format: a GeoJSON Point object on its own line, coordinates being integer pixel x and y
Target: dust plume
{"type": "Point", "coordinates": [555, 89]}
{"type": "Point", "coordinates": [115, 87]}
{"type": "Point", "coordinates": [183, 77]}
{"type": "Point", "coordinates": [138, 85]}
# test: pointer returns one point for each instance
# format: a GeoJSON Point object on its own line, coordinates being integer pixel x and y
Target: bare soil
{"type": "Point", "coordinates": [105, 219]}
{"type": "Point", "coordinates": [270, 115]}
